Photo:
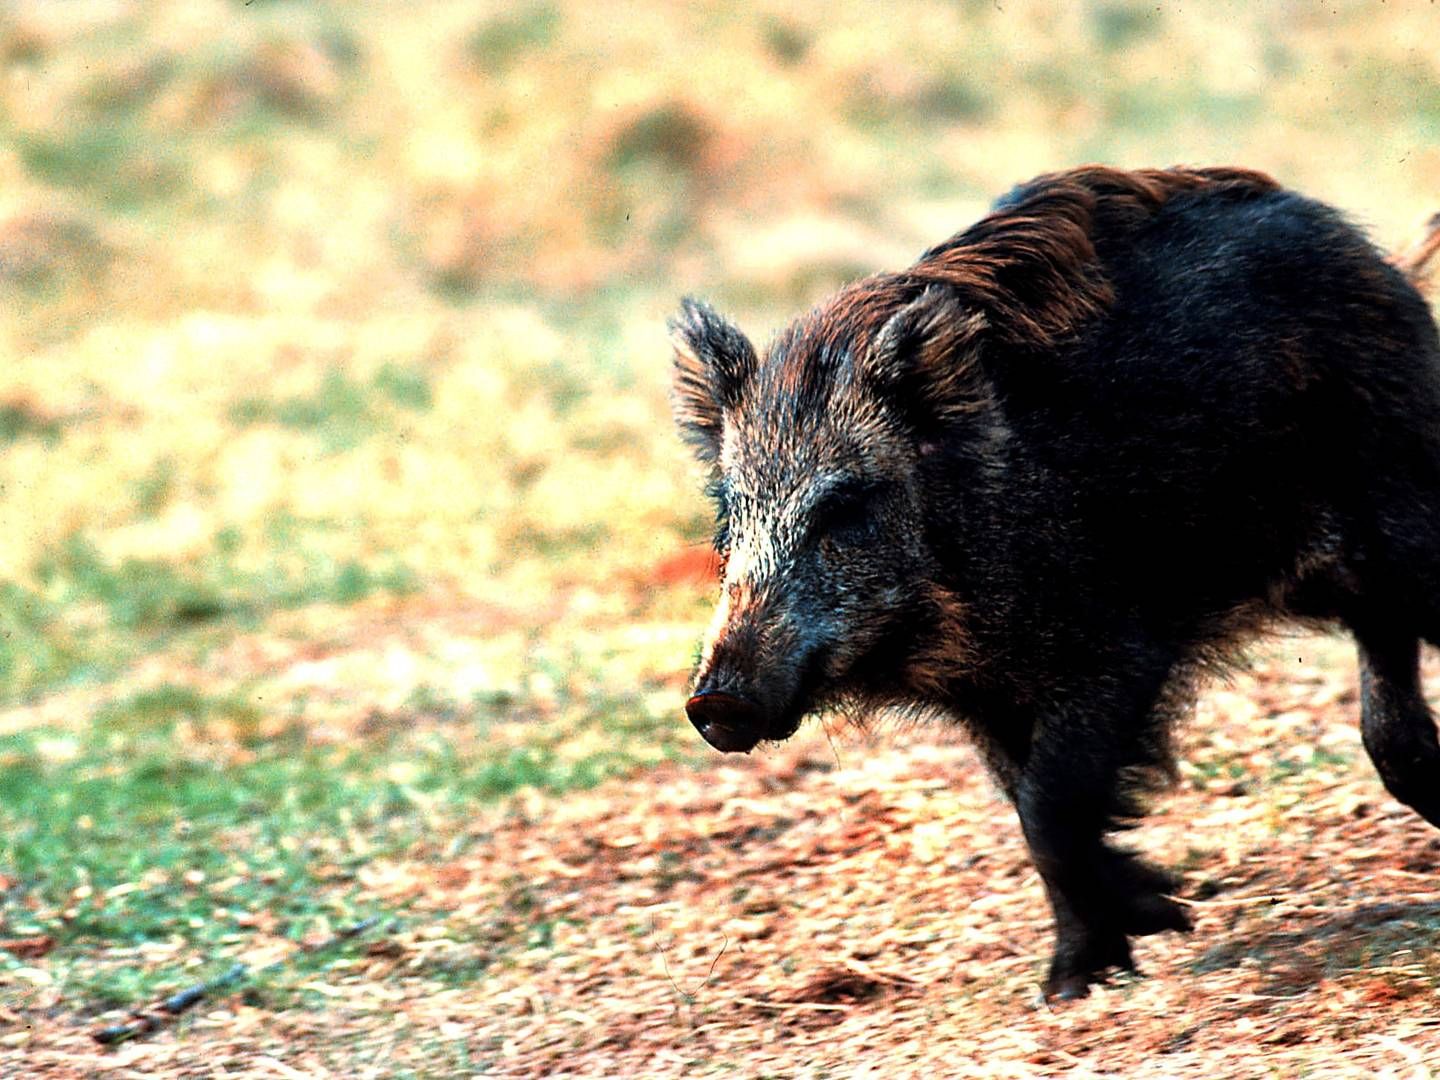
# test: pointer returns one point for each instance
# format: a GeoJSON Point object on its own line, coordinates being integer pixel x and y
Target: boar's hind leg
{"type": "Point", "coordinates": [1395, 723]}
{"type": "Point", "coordinates": [1068, 795]}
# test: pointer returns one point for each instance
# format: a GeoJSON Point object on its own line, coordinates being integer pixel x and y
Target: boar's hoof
{"type": "Point", "coordinates": [1079, 964]}
{"type": "Point", "coordinates": [726, 722]}
{"type": "Point", "coordinates": [1071, 987]}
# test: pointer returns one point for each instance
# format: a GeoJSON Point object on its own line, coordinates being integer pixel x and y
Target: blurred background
{"type": "Point", "coordinates": [336, 452]}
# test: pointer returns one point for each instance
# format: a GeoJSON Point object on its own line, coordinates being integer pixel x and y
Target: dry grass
{"type": "Point", "coordinates": [858, 906]}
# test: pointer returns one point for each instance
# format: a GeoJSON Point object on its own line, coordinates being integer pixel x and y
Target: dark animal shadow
{"type": "Point", "coordinates": [1350, 941]}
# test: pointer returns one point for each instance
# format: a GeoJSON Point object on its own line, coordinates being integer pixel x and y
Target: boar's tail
{"type": "Point", "coordinates": [1414, 262]}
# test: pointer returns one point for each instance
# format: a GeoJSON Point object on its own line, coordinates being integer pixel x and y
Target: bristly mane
{"type": "Point", "coordinates": [1031, 264]}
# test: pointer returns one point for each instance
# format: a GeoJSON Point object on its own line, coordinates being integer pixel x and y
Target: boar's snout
{"type": "Point", "coordinates": [725, 721]}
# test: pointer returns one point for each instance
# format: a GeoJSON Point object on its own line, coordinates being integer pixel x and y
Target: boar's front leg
{"type": "Point", "coordinates": [1069, 794]}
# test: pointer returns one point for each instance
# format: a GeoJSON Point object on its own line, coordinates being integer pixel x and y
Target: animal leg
{"type": "Point", "coordinates": [1396, 725]}
{"type": "Point", "coordinates": [1068, 796]}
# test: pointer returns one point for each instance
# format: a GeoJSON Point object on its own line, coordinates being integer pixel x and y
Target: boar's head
{"type": "Point", "coordinates": [818, 454]}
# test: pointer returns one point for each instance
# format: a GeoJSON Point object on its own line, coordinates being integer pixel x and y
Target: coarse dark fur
{"type": "Point", "coordinates": [1070, 459]}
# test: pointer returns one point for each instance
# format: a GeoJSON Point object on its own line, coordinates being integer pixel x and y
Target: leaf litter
{"type": "Point", "coordinates": [852, 904]}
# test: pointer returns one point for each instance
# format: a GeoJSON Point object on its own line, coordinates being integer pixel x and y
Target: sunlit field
{"type": "Point", "coordinates": [350, 567]}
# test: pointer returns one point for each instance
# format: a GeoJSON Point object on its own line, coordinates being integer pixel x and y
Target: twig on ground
{"type": "Point", "coordinates": [688, 996]}
{"type": "Point", "coordinates": [144, 1021]}
{"type": "Point", "coordinates": [792, 1006]}
{"type": "Point", "coordinates": [1239, 901]}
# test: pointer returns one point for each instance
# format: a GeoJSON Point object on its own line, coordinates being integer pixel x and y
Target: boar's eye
{"type": "Point", "coordinates": [847, 511]}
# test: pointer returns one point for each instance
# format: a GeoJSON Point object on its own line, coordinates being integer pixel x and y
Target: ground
{"type": "Point", "coordinates": [850, 903]}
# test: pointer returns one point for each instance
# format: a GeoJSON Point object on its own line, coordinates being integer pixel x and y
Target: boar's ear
{"type": "Point", "coordinates": [926, 358]}
{"type": "Point", "coordinates": [712, 361]}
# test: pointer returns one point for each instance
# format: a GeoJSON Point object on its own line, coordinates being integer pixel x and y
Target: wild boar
{"type": "Point", "coordinates": [1064, 465]}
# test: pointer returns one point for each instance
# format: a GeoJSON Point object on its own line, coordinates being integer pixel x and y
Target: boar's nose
{"type": "Point", "coordinates": [725, 721]}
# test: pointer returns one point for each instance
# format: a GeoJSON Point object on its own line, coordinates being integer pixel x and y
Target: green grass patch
{"type": "Point", "coordinates": [135, 592]}
{"type": "Point", "coordinates": [37, 648]}
{"type": "Point", "coordinates": [952, 98]}
{"type": "Point", "coordinates": [120, 95]}
{"type": "Point", "coordinates": [673, 134]}
{"type": "Point", "coordinates": [152, 492]}
{"type": "Point", "coordinates": [128, 837]}
{"type": "Point", "coordinates": [1410, 91]}
{"type": "Point", "coordinates": [149, 593]}
{"type": "Point", "coordinates": [404, 387]}
{"type": "Point", "coordinates": [557, 543]}
{"type": "Point", "coordinates": [1317, 758]}
{"type": "Point", "coordinates": [1117, 26]}
{"type": "Point", "coordinates": [171, 818]}
{"type": "Point", "coordinates": [159, 709]}
{"type": "Point", "coordinates": [342, 411]}
{"type": "Point", "coordinates": [501, 41]}
{"type": "Point", "coordinates": [785, 41]}
{"type": "Point", "coordinates": [20, 421]}
{"type": "Point", "coordinates": [89, 615]}
{"type": "Point", "coordinates": [1155, 106]}
{"type": "Point", "coordinates": [119, 163]}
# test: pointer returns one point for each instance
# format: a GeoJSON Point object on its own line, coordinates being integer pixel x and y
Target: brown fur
{"type": "Point", "coordinates": [1030, 267]}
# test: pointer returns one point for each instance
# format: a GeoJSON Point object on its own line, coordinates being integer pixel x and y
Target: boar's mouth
{"type": "Point", "coordinates": [733, 720]}
{"type": "Point", "coordinates": [728, 722]}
